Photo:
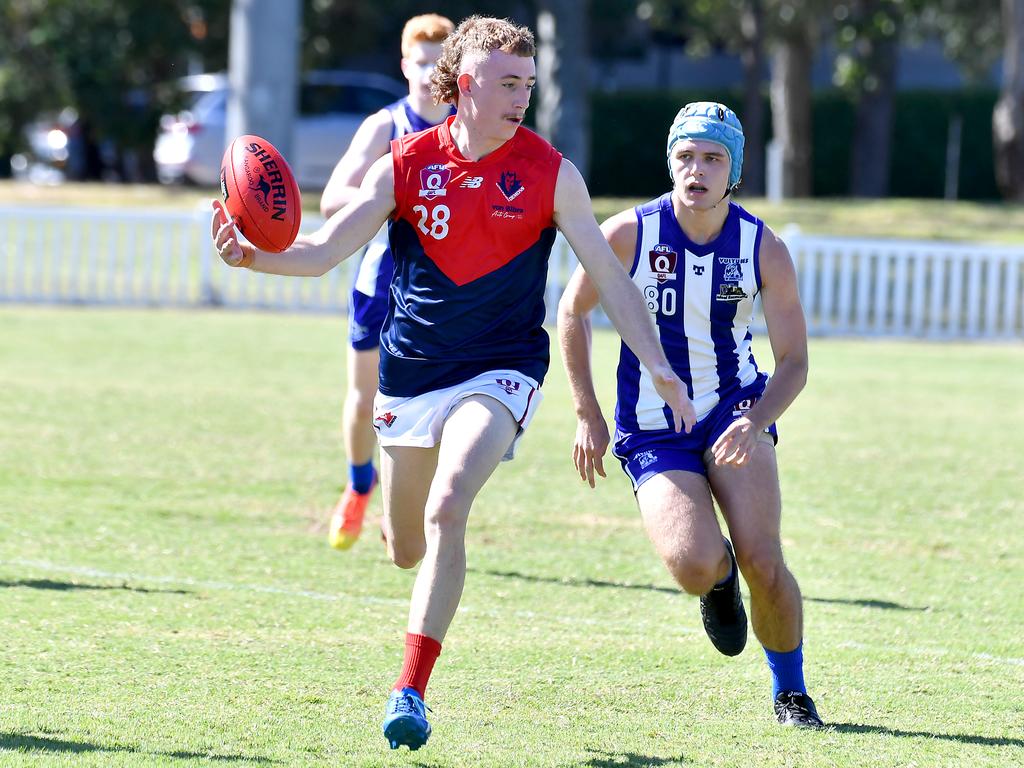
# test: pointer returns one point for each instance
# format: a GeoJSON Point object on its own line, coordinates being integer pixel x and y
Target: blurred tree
{"type": "Point", "coordinates": [105, 59]}
{"type": "Point", "coordinates": [970, 32]}
{"type": "Point", "coordinates": [787, 30]}
{"type": "Point", "coordinates": [794, 30]}
{"type": "Point", "coordinates": [27, 82]}
{"type": "Point", "coordinates": [1008, 116]}
{"type": "Point", "coordinates": [360, 34]}
{"type": "Point", "coordinates": [563, 108]}
{"type": "Point", "coordinates": [737, 26]}
{"type": "Point", "coordinates": [867, 35]}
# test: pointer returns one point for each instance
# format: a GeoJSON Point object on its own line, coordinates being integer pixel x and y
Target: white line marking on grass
{"type": "Point", "coordinates": [919, 651]}
{"type": "Point", "coordinates": [639, 624]}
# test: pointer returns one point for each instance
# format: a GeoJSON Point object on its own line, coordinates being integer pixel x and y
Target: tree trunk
{"type": "Point", "coordinates": [1008, 116]}
{"type": "Point", "coordinates": [753, 58]}
{"type": "Point", "coordinates": [263, 98]}
{"type": "Point", "coordinates": [791, 108]}
{"type": "Point", "coordinates": [563, 110]}
{"type": "Point", "coordinates": [872, 135]}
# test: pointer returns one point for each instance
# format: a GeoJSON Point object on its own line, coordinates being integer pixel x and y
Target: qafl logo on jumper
{"type": "Point", "coordinates": [663, 262]}
{"type": "Point", "coordinates": [510, 387]}
{"type": "Point", "coordinates": [433, 180]}
{"type": "Point", "coordinates": [387, 417]}
{"type": "Point", "coordinates": [510, 185]}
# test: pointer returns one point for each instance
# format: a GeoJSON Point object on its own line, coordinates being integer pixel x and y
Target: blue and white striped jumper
{"type": "Point", "coordinates": [701, 299]}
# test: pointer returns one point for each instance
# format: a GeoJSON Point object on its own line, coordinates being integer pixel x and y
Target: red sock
{"type": "Point", "coordinates": [420, 654]}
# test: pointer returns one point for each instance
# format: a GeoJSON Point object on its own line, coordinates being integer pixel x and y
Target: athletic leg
{"type": "Point", "coordinates": [406, 475]}
{"type": "Point", "coordinates": [679, 517]}
{"type": "Point", "coordinates": [360, 441]}
{"type": "Point", "coordinates": [752, 506]}
{"type": "Point", "coordinates": [357, 424]}
{"type": "Point", "coordinates": [476, 435]}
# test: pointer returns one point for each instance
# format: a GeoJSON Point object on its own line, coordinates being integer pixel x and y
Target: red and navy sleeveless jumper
{"type": "Point", "coordinates": [471, 241]}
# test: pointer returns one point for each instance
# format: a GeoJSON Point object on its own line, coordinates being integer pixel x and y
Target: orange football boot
{"type": "Point", "coordinates": [347, 519]}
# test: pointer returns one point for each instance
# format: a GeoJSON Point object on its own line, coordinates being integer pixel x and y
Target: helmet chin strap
{"type": "Point", "coordinates": [728, 191]}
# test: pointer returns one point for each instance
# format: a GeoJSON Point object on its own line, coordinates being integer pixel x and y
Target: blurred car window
{"type": "Point", "coordinates": [332, 104]}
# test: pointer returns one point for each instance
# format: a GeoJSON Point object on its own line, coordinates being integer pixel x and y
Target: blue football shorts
{"type": "Point", "coordinates": [651, 452]}
{"type": "Point", "coordinates": [368, 302]}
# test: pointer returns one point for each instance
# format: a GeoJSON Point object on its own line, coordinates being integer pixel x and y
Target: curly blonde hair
{"type": "Point", "coordinates": [477, 34]}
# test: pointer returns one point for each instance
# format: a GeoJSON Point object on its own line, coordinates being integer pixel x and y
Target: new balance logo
{"type": "Point", "coordinates": [472, 182]}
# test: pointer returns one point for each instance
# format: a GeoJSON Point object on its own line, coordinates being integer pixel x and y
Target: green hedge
{"type": "Point", "coordinates": [628, 141]}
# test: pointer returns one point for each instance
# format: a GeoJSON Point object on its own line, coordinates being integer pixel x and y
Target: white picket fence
{"type": "Point", "coordinates": [161, 259]}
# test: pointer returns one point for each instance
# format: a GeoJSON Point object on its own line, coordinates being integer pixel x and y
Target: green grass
{"type": "Point", "coordinates": [917, 219]}
{"type": "Point", "coordinates": [169, 599]}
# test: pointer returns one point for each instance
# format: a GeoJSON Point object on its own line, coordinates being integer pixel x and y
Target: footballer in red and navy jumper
{"type": "Point", "coordinates": [472, 207]}
{"type": "Point", "coordinates": [471, 242]}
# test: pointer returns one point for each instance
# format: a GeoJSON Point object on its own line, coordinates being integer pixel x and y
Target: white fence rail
{"type": "Point", "coordinates": [132, 258]}
{"type": "Point", "coordinates": [910, 288]}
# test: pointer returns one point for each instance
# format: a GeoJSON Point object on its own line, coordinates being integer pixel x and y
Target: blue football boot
{"type": "Point", "coordinates": [405, 719]}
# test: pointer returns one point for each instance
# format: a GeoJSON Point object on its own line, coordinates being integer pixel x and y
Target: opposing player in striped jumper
{"type": "Point", "coordinates": [700, 260]}
{"type": "Point", "coordinates": [368, 302]}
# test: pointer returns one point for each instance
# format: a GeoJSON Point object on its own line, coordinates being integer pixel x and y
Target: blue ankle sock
{"type": "Point", "coordinates": [787, 670]}
{"type": "Point", "coordinates": [361, 476]}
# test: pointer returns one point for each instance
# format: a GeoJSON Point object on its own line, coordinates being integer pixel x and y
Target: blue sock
{"type": "Point", "coordinates": [787, 670]}
{"type": "Point", "coordinates": [361, 476]}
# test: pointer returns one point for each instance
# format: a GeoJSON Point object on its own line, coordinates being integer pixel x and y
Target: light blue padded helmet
{"type": "Point", "coordinates": [710, 121]}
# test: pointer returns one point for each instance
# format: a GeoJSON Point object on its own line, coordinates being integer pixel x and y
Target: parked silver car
{"type": "Point", "coordinates": [332, 104]}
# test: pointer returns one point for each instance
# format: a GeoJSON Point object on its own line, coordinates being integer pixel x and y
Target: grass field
{"type": "Point", "coordinates": [916, 219]}
{"type": "Point", "coordinates": [168, 597]}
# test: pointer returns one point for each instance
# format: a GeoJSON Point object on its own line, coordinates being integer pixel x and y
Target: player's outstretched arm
{"type": "Point", "coordinates": [317, 253]}
{"type": "Point", "coordinates": [620, 298]}
{"type": "Point", "coordinates": [574, 340]}
{"type": "Point", "coordinates": [787, 332]}
{"type": "Point", "coordinates": [371, 142]}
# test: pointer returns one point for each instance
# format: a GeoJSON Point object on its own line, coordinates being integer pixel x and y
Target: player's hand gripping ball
{"type": "Point", "coordinates": [260, 193]}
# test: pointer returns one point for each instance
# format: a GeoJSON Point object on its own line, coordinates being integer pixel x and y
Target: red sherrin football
{"type": "Point", "coordinates": [260, 193]}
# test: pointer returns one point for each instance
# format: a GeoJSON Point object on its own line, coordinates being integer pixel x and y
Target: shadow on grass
{"type": "Point", "coordinates": [602, 759]}
{"type": "Point", "coordinates": [885, 605]}
{"type": "Point", "coordinates": [21, 742]}
{"type": "Point", "coordinates": [963, 738]}
{"type": "Point", "coordinates": [62, 586]}
{"type": "Point", "coordinates": [571, 582]}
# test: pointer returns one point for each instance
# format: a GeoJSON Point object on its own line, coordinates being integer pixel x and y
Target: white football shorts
{"type": "Point", "coordinates": [417, 421]}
